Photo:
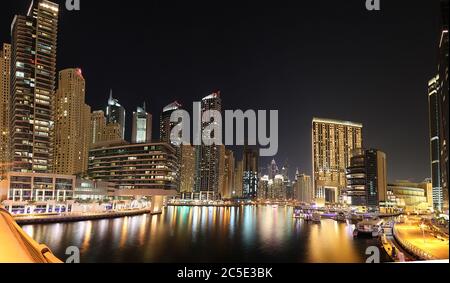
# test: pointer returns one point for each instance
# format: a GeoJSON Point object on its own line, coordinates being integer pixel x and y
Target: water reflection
{"type": "Point", "coordinates": [207, 234]}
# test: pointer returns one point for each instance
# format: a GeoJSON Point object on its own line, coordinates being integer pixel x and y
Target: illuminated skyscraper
{"type": "Point", "coordinates": [444, 91]}
{"type": "Point", "coordinates": [72, 124]}
{"type": "Point", "coordinates": [367, 178]}
{"type": "Point", "coordinates": [250, 180]}
{"type": "Point", "coordinates": [142, 126]}
{"type": "Point", "coordinates": [272, 169]}
{"type": "Point", "coordinates": [103, 133]}
{"type": "Point", "coordinates": [166, 126]}
{"type": "Point", "coordinates": [435, 144]}
{"type": "Point", "coordinates": [333, 143]}
{"type": "Point", "coordinates": [5, 75]}
{"type": "Point", "coordinates": [238, 179]}
{"type": "Point", "coordinates": [208, 156]}
{"type": "Point", "coordinates": [33, 72]}
{"type": "Point", "coordinates": [187, 170]}
{"type": "Point", "coordinates": [116, 114]}
{"type": "Point", "coordinates": [303, 189]}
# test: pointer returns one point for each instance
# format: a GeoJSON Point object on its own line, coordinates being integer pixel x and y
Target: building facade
{"type": "Point", "coordinates": [33, 73]}
{"type": "Point", "coordinates": [142, 126]}
{"type": "Point", "coordinates": [411, 196]}
{"type": "Point", "coordinates": [152, 166]}
{"type": "Point", "coordinates": [187, 170]}
{"type": "Point", "coordinates": [303, 188]}
{"type": "Point", "coordinates": [116, 114]}
{"type": "Point", "coordinates": [27, 193]}
{"type": "Point", "coordinates": [72, 124]}
{"type": "Point", "coordinates": [367, 179]}
{"type": "Point", "coordinates": [166, 126]}
{"type": "Point", "coordinates": [333, 142]}
{"type": "Point", "coordinates": [90, 190]}
{"type": "Point", "coordinates": [208, 155]}
{"type": "Point", "coordinates": [101, 132]}
{"type": "Point", "coordinates": [5, 76]}
{"type": "Point", "coordinates": [250, 180]}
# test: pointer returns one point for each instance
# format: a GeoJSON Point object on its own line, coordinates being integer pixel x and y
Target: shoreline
{"type": "Point", "coordinates": [53, 219]}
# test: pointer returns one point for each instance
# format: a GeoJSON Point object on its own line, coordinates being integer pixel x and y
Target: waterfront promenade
{"type": "Point", "coordinates": [421, 241]}
{"type": "Point", "coordinates": [74, 217]}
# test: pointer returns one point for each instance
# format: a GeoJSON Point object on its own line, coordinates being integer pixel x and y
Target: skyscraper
{"type": "Point", "coordinates": [116, 114]}
{"type": "Point", "coordinates": [142, 126]}
{"type": "Point", "coordinates": [272, 169]}
{"type": "Point", "coordinates": [208, 157]}
{"type": "Point", "coordinates": [303, 188]}
{"type": "Point", "coordinates": [444, 91]}
{"type": "Point", "coordinates": [72, 124]}
{"type": "Point", "coordinates": [367, 178]}
{"type": "Point", "coordinates": [238, 179]}
{"type": "Point", "coordinates": [33, 71]}
{"type": "Point", "coordinates": [5, 76]}
{"type": "Point", "coordinates": [166, 126]}
{"type": "Point", "coordinates": [333, 142]}
{"type": "Point", "coordinates": [435, 144]}
{"type": "Point", "coordinates": [187, 169]}
{"type": "Point", "coordinates": [250, 181]}
{"type": "Point", "coordinates": [103, 133]}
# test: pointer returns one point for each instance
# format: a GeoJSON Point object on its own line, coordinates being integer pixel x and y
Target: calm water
{"type": "Point", "coordinates": [184, 234]}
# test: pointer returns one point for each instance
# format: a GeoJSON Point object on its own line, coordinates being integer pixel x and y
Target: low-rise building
{"type": "Point", "coordinates": [25, 193]}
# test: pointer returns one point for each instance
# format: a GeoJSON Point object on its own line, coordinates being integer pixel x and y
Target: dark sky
{"type": "Point", "coordinates": [328, 58]}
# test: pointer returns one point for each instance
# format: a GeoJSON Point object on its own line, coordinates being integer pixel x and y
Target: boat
{"type": "Point", "coordinates": [316, 217]}
{"type": "Point", "coordinates": [298, 212]}
{"type": "Point", "coordinates": [340, 217]}
{"type": "Point", "coordinates": [370, 227]}
{"type": "Point", "coordinates": [388, 228]}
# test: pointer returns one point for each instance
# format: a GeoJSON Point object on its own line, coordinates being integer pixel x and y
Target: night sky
{"type": "Point", "coordinates": [331, 59]}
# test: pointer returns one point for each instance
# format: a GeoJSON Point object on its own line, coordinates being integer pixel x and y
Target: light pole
{"type": "Point", "coordinates": [422, 227]}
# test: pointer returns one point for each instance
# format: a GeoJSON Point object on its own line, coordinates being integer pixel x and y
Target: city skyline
{"type": "Point", "coordinates": [241, 90]}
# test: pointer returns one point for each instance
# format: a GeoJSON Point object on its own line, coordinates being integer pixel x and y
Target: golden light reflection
{"type": "Point", "coordinates": [87, 235]}
{"type": "Point", "coordinates": [124, 233]}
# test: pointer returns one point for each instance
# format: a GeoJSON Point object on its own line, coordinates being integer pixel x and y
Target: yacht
{"type": "Point", "coordinates": [316, 217]}
{"type": "Point", "coordinates": [372, 227]}
{"type": "Point", "coordinates": [340, 217]}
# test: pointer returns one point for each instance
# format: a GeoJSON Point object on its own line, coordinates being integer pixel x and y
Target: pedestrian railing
{"type": "Point", "coordinates": [36, 253]}
{"type": "Point", "coordinates": [411, 248]}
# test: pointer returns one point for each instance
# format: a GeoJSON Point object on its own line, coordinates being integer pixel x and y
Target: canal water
{"type": "Point", "coordinates": [207, 234]}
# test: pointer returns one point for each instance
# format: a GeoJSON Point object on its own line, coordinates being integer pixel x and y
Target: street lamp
{"type": "Point", "coordinates": [422, 227]}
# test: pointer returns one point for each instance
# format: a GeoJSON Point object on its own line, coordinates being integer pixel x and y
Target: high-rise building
{"type": "Point", "coordinates": [250, 181]}
{"type": "Point", "coordinates": [435, 144]}
{"type": "Point", "coordinates": [116, 114]}
{"type": "Point", "coordinates": [238, 179]}
{"type": "Point", "coordinates": [444, 91]}
{"type": "Point", "coordinates": [33, 73]}
{"type": "Point", "coordinates": [272, 169]}
{"type": "Point", "coordinates": [208, 155]}
{"type": "Point", "coordinates": [102, 133]}
{"type": "Point", "coordinates": [5, 76]}
{"type": "Point", "coordinates": [333, 142]}
{"type": "Point", "coordinates": [72, 124]}
{"type": "Point", "coordinates": [187, 169]}
{"type": "Point", "coordinates": [303, 188]}
{"type": "Point", "coordinates": [367, 179]}
{"type": "Point", "coordinates": [166, 126]}
{"type": "Point", "coordinates": [142, 126]}
{"type": "Point", "coordinates": [226, 172]}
